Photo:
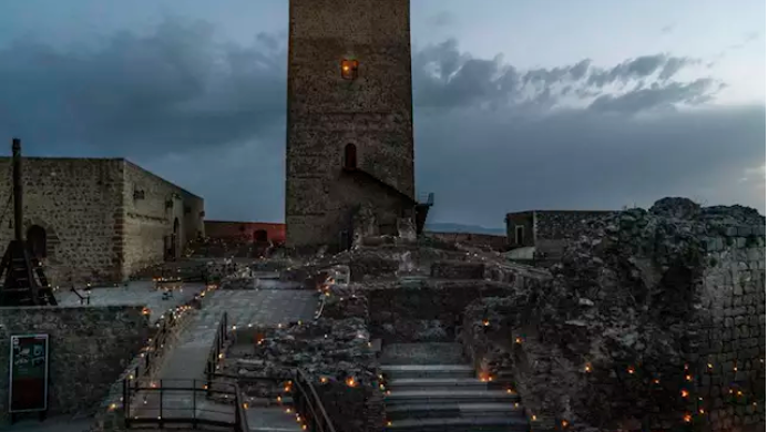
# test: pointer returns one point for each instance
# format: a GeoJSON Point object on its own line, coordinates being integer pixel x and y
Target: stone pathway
{"type": "Point", "coordinates": [438, 391]}
{"type": "Point", "coordinates": [187, 360]}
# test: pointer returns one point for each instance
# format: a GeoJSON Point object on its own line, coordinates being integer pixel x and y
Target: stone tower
{"type": "Point", "coordinates": [350, 118]}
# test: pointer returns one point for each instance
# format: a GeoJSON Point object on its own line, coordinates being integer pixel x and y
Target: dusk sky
{"type": "Point", "coordinates": [591, 104]}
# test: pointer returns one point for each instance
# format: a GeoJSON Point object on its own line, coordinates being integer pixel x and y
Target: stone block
{"type": "Point", "coordinates": [741, 242]}
{"type": "Point", "coordinates": [744, 231]}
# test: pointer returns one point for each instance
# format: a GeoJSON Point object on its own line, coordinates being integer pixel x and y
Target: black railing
{"type": "Point", "coordinates": [217, 350]}
{"type": "Point", "coordinates": [183, 402]}
{"type": "Point", "coordinates": [308, 404]}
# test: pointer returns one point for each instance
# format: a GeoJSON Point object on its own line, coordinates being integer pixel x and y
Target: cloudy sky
{"type": "Point", "coordinates": [545, 104]}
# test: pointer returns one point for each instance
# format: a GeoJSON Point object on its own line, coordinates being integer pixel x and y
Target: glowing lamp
{"type": "Point", "coordinates": [349, 69]}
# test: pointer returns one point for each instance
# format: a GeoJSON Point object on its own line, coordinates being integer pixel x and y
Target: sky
{"type": "Point", "coordinates": [595, 104]}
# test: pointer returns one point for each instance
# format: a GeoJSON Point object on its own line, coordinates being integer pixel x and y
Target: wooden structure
{"type": "Point", "coordinates": [25, 283]}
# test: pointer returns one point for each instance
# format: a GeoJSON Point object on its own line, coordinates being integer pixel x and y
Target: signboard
{"type": "Point", "coordinates": [29, 373]}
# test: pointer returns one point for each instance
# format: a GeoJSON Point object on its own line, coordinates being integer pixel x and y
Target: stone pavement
{"type": "Point", "coordinates": [136, 293]}
{"type": "Point", "coordinates": [187, 359]}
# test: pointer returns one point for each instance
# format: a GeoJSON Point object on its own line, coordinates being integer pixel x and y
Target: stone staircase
{"type": "Point", "coordinates": [439, 391]}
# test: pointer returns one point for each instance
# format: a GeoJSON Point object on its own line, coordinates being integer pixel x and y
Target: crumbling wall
{"type": "Point", "coordinates": [425, 310]}
{"type": "Point", "coordinates": [638, 329]}
{"type": "Point", "coordinates": [77, 203]}
{"type": "Point", "coordinates": [89, 347]}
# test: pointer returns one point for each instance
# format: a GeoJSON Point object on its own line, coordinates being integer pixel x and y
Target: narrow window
{"type": "Point", "coordinates": [350, 157]}
{"type": "Point", "coordinates": [349, 69]}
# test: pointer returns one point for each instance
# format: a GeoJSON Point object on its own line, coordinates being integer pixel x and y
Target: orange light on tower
{"type": "Point", "coordinates": [349, 69]}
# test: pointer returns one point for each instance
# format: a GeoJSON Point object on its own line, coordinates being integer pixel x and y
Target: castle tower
{"type": "Point", "coordinates": [350, 117]}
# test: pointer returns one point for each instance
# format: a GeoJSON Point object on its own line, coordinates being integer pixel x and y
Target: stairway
{"type": "Point", "coordinates": [438, 391]}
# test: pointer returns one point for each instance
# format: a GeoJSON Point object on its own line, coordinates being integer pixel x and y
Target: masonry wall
{"type": "Point", "coordinates": [731, 339]}
{"type": "Point", "coordinates": [244, 231]}
{"type": "Point", "coordinates": [565, 224]}
{"type": "Point", "coordinates": [88, 349]}
{"type": "Point", "coordinates": [76, 202]}
{"type": "Point", "coordinates": [148, 219]}
{"type": "Point", "coordinates": [327, 112]}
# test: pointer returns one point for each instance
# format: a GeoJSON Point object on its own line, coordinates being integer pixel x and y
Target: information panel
{"type": "Point", "coordinates": [29, 373]}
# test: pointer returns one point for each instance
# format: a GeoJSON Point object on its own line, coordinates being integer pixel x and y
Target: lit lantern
{"type": "Point", "coordinates": [349, 69]}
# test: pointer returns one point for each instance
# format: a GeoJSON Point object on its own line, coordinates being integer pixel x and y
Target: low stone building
{"type": "Point", "coordinates": [247, 232]}
{"type": "Point", "coordinates": [98, 220]}
{"type": "Point", "coordinates": [541, 235]}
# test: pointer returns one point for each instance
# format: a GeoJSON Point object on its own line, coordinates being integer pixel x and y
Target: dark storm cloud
{"type": "Point", "coordinates": [175, 89]}
{"type": "Point", "coordinates": [491, 137]}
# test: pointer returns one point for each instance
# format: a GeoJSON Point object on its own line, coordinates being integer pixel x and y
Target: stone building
{"type": "Point", "coordinates": [543, 234]}
{"type": "Point", "coordinates": [98, 220]}
{"type": "Point", "coordinates": [350, 119]}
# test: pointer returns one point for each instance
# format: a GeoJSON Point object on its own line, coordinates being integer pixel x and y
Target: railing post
{"type": "Point", "coordinates": [161, 405]}
{"type": "Point", "coordinates": [126, 403]}
{"type": "Point", "coordinates": [194, 404]}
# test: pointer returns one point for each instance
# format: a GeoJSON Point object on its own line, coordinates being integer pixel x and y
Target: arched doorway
{"type": "Point", "coordinates": [37, 241]}
{"type": "Point", "coordinates": [350, 157]}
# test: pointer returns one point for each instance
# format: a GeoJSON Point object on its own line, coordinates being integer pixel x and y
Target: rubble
{"type": "Point", "coordinates": [637, 314]}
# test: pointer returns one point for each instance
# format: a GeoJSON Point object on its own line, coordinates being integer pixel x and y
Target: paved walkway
{"type": "Point", "coordinates": [186, 362]}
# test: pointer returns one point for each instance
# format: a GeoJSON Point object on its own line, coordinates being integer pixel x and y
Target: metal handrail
{"type": "Point", "coordinates": [321, 422]}
{"type": "Point", "coordinates": [240, 421]}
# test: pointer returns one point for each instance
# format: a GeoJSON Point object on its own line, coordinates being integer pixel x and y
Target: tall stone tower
{"type": "Point", "coordinates": [350, 117]}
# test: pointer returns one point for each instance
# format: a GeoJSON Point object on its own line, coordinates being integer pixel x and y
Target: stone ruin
{"type": "Point", "coordinates": [654, 320]}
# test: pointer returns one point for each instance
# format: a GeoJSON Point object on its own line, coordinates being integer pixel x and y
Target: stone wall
{"type": "Point", "coordinates": [565, 224]}
{"type": "Point", "coordinates": [494, 242]}
{"type": "Point", "coordinates": [731, 339]}
{"type": "Point", "coordinates": [151, 208]}
{"type": "Point", "coordinates": [89, 347]}
{"type": "Point", "coordinates": [654, 320]}
{"type": "Point", "coordinates": [78, 203]}
{"type": "Point", "coordinates": [244, 231]}
{"type": "Point", "coordinates": [327, 112]}
{"type": "Point", "coordinates": [426, 311]}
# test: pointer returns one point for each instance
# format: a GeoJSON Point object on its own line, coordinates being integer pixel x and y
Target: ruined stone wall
{"type": "Point", "coordinates": [151, 207]}
{"type": "Point", "coordinates": [88, 349]}
{"type": "Point", "coordinates": [479, 240]}
{"type": "Point", "coordinates": [565, 224]}
{"type": "Point", "coordinates": [655, 321]}
{"type": "Point", "coordinates": [731, 341]}
{"type": "Point", "coordinates": [78, 204]}
{"type": "Point", "coordinates": [327, 112]}
{"type": "Point", "coordinates": [428, 311]}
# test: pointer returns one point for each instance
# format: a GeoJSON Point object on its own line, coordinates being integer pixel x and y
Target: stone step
{"type": "Point", "coordinates": [453, 410]}
{"type": "Point", "coordinates": [468, 396]}
{"type": "Point", "coordinates": [428, 371]}
{"type": "Point", "coordinates": [457, 424]}
{"type": "Point", "coordinates": [443, 383]}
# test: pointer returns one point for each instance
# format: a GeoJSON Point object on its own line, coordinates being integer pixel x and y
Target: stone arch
{"type": "Point", "coordinates": [350, 157]}
{"type": "Point", "coordinates": [37, 241]}
{"type": "Point", "coordinates": [52, 240]}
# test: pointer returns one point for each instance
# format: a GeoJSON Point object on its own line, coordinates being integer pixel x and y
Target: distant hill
{"type": "Point", "coordinates": [474, 229]}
